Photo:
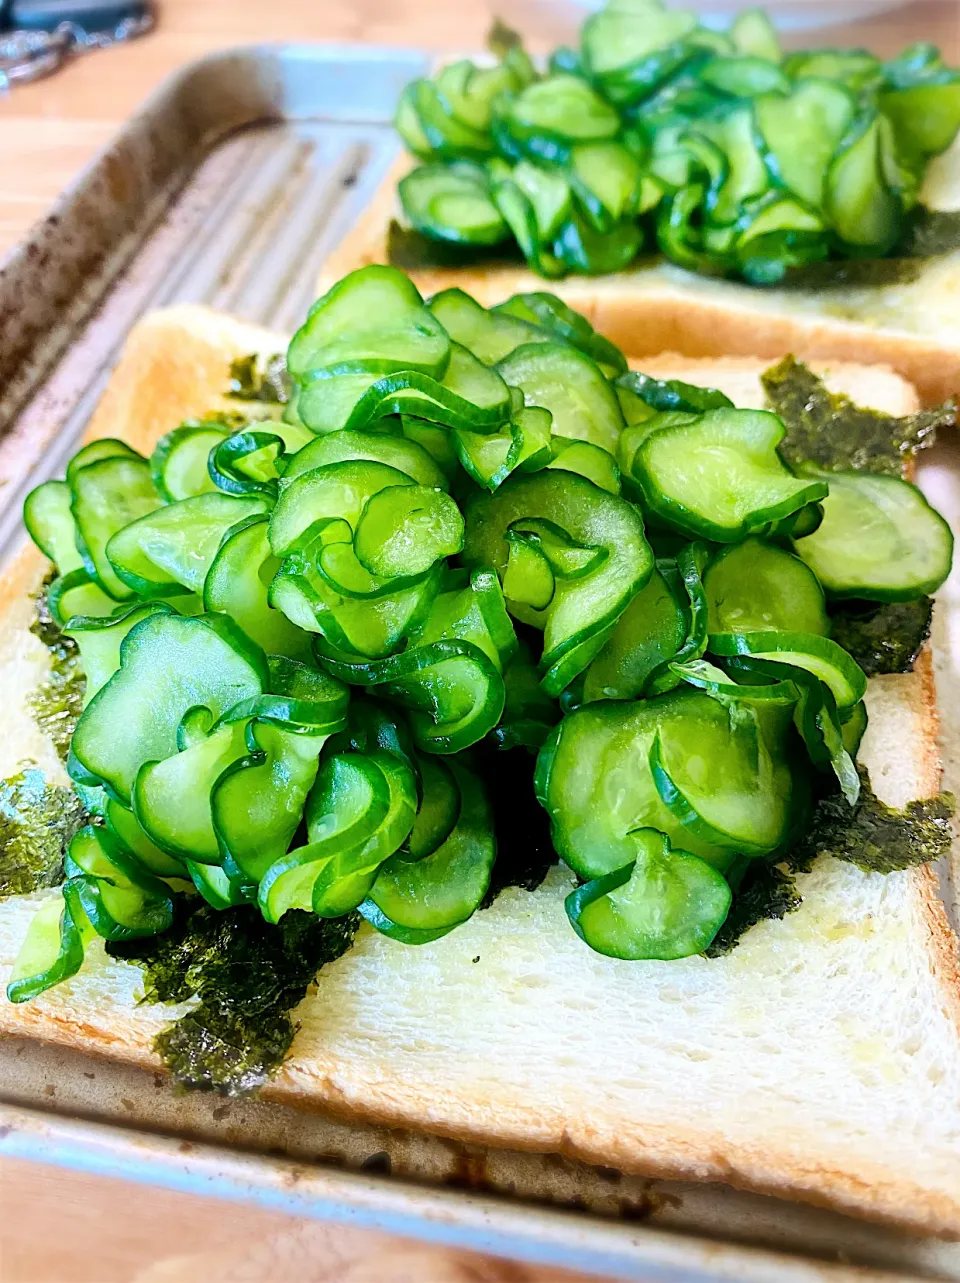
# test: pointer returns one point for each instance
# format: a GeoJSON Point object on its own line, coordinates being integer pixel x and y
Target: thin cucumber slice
{"type": "Point", "coordinates": [413, 901]}
{"type": "Point", "coordinates": [236, 585]}
{"type": "Point", "coordinates": [332, 492]}
{"type": "Point", "coordinates": [347, 805]}
{"type": "Point", "coordinates": [171, 798]}
{"type": "Point", "coordinates": [746, 176]}
{"type": "Point", "coordinates": [120, 900]}
{"type": "Point", "coordinates": [862, 207]}
{"type": "Point", "coordinates": [879, 540]}
{"type": "Point", "coordinates": [755, 586]}
{"type": "Point", "coordinates": [753, 34]}
{"type": "Point", "coordinates": [720, 477]}
{"type": "Point", "coordinates": [649, 633]}
{"type": "Point", "coordinates": [50, 524]}
{"type": "Point", "coordinates": [668, 904]}
{"type": "Point", "coordinates": [569, 384]}
{"type": "Point", "coordinates": [77, 596]}
{"type": "Point", "coordinates": [490, 336]}
{"type": "Point", "coordinates": [173, 547]}
{"type": "Point", "coordinates": [623, 38]}
{"type": "Point", "coordinates": [341, 447]}
{"type": "Point", "coordinates": [581, 248]}
{"type": "Point", "coordinates": [855, 68]}
{"type": "Point", "coordinates": [215, 885]}
{"type": "Point", "coordinates": [404, 530]}
{"type": "Point", "coordinates": [52, 951]}
{"type": "Point", "coordinates": [818, 655]}
{"type": "Point", "coordinates": [528, 578]}
{"type": "Point", "coordinates": [257, 803]}
{"type": "Point", "coordinates": [690, 564]}
{"type": "Point", "coordinates": [594, 778]}
{"type": "Point", "coordinates": [96, 451]}
{"type": "Point", "coordinates": [344, 880]}
{"type": "Point", "coordinates": [546, 310]}
{"type": "Point", "coordinates": [452, 203]}
{"type": "Point", "coordinates": [168, 665]}
{"type": "Point", "coordinates": [743, 76]}
{"type": "Point", "coordinates": [99, 641]}
{"type": "Point", "coordinates": [448, 136]}
{"type": "Point", "coordinates": [548, 192]}
{"type": "Point", "coordinates": [439, 809]}
{"type": "Point", "coordinates": [801, 133]}
{"type": "Point", "coordinates": [585, 608]}
{"type": "Point", "coordinates": [179, 461]}
{"type": "Point", "coordinates": [374, 313]}
{"type": "Point", "coordinates": [303, 699]}
{"type": "Point", "coordinates": [925, 117]}
{"type": "Point", "coordinates": [125, 826]}
{"type": "Point", "coordinates": [475, 613]}
{"type": "Point", "coordinates": [589, 460]}
{"type": "Point", "coordinates": [606, 177]}
{"type": "Point", "coordinates": [107, 496]}
{"type": "Point", "coordinates": [561, 106]}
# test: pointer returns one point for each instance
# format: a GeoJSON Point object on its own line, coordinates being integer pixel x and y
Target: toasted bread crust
{"type": "Point", "coordinates": [173, 367]}
{"type": "Point", "coordinates": [646, 312]}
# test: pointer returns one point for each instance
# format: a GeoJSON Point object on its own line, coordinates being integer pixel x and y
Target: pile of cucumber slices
{"type": "Point", "coordinates": [728, 155]}
{"type": "Point", "coordinates": [468, 528]}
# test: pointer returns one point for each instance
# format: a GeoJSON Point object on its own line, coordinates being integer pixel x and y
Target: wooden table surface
{"type": "Point", "coordinates": [56, 1225]}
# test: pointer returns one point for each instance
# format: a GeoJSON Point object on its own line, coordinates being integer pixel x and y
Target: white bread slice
{"type": "Point", "coordinates": [657, 307]}
{"type": "Point", "coordinates": [819, 1061]}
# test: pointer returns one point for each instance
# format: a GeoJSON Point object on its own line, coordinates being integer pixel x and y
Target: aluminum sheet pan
{"type": "Point", "coordinates": [229, 189]}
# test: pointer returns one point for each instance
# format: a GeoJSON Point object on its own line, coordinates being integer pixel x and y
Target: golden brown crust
{"type": "Point", "coordinates": [649, 316]}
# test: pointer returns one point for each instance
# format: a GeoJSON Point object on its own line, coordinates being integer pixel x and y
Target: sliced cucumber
{"type": "Point", "coordinates": [879, 540]}
{"type": "Point", "coordinates": [755, 586]}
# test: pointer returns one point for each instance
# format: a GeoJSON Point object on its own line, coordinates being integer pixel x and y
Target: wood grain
{"type": "Point", "coordinates": [57, 1225]}
{"type": "Point", "coordinates": [60, 1226]}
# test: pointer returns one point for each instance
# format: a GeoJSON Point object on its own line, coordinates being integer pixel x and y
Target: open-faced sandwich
{"type": "Point", "coordinates": [438, 721]}
{"type": "Point", "coordinates": [691, 190]}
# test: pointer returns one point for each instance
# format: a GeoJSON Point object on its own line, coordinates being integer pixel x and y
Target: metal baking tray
{"type": "Point", "coordinates": [229, 188]}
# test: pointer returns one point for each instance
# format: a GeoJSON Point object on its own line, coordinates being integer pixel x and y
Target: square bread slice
{"type": "Point", "coordinates": [911, 324]}
{"type": "Point", "coordinates": [819, 1061]}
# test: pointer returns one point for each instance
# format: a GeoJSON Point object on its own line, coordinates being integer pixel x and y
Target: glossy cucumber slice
{"type": "Point", "coordinates": [818, 655]}
{"type": "Point", "coordinates": [257, 803]}
{"type": "Point", "coordinates": [334, 491]}
{"type": "Point", "coordinates": [52, 951]}
{"type": "Point", "coordinates": [105, 886]}
{"type": "Point", "coordinates": [723, 784]}
{"type": "Point", "coordinates": [690, 563]}
{"type": "Point", "coordinates": [344, 880]}
{"type": "Point", "coordinates": [125, 826]}
{"type": "Point", "coordinates": [568, 384]}
{"type": "Point", "coordinates": [802, 132]}
{"type": "Point", "coordinates": [179, 461]}
{"type": "Point", "coordinates": [348, 803]}
{"type": "Point", "coordinates": [236, 585]}
{"type": "Point", "coordinates": [649, 633]}
{"type": "Point", "coordinates": [668, 904]}
{"type": "Point", "coordinates": [606, 178]}
{"type": "Point", "coordinates": [452, 203]}
{"type": "Point", "coordinates": [633, 48]}
{"type": "Point", "coordinates": [745, 76]}
{"type": "Point", "coordinates": [404, 530]}
{"type": "Point", "coordinates": [489, 335]}
{"type": "Point", "coordinates": [720, 477]}
{"type": "Point", "coordinates": [50, 524]}
{"type": "Point", "coordinates": [605, 528]}
{"type": "Point", "coordinates": [374, 313]}
{"type": "Point", "coordinates": [172, 548]}
{"type": "Point", "coordinates": [168, 665]}
{"type": "Point", "coordinates": [588, 460]}
{"type": "Point", "coordinates": [548, 192]}
{"type": "Point", "coordinates": [107, 496]}
{"type": "Point", "coordinates": [561, 107]}
{"type": "Point", "coordinates": [99, 641]}
{"type": "Point", "coordinates": [753, 34]}
{"type": "Point", "coordinates": [378, 447]}
{"type": "Point", "coordinates": [879, 540]}
{"type": "Point", "coordinates": [862, 206]}
{"type": "Point", "coordinates": [438, 811]}
{"type": "Point", "coordinates": [546, 310]}
{"type": "Point", "coordinates": [755, 586]}
{"type": "Point", "coordinates": [171, 798]}
{"type": "Point", "coordinates": [418, 901]}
